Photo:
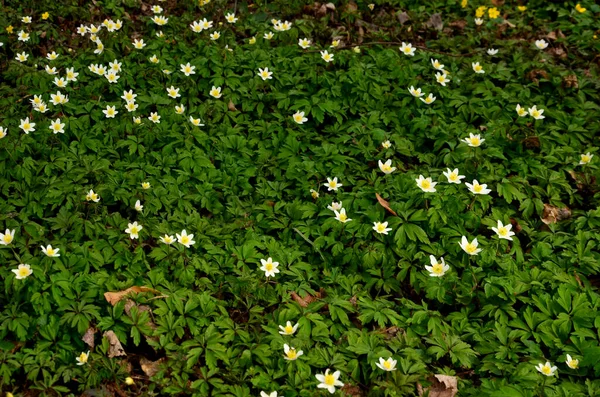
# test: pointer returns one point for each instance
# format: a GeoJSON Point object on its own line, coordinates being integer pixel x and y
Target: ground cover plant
{"type": "Point", "coordinates": [282, 198]}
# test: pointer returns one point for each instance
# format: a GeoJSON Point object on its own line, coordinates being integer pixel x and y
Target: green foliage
{"type": "Point", "coordinates": [207, 321]}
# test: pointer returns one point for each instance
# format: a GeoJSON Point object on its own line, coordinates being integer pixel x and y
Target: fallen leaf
{"type": "Point", "coordinates": [554, 214]}
{"type": "Point", "coordinates": [353, 391]}
{"type": "Point", "coordinates": [351, 7]}
{"type": "Point", "coordinates": [304, 302]}
{"type": "Point", "coordinates": [570, 81]}
{"type": "Point", "coordinates": [114, 297]}
{"type": "Point", "coordinates": [403, 17]}
{"type": "Point", "coordinates": [435, 21]}
{"type": "Point", "coordinates": [88, 337]}
{"type": "Point", "coordinates": [385, 204]}
{"type": "Point", "coordinates": [115, 349]}
{"type": "Point", "coordinates": [150, 368]}
{"type": "Point", "coordinates": [516, 227]}
{"type": "Point", "coordinates": [441, 386]}
{"type": "Point", "coordinates": [331, 6]}
{"type": "Point", "coordinates": [231, 106]}
{"type": "Point", "coordinates": [498, 3]}
{"type": "Point", "coordinates": [460, 24]}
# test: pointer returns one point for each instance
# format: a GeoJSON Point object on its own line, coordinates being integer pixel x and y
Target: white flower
{"type": "Point", "coordinates": [187, 69]}
{"type": "Point", "coordinates": [206, 24]}
{"type": "Point", "coordinates": [231, 18]}
{"type": "Point", "coordinates": [268, 36]}
{"type": "Point", "coordinates": [145, 185]}
{"type": "Point", "coordinates": [535, 113]}
{"type": "Point", "coordinates": [386, 167]}
{"type": "Point", "coordinates": [138, 206]}
{"type": "Point", "coordinates": [166, 239]}
{"type": "Point", "coordinates": [179, 109]}
{"type": "Point", "coordinates": [133, 229]}
{"type": "Point", "coordinates": [453, 176]}
{"type": "Point", "coordinates": [407, 49]}
{"type": "Point", "coordinates": [52, 56]}
{"type": "Point", "coordinates": [429, 100]}
{"type": "Point", "coordinates": [546, 369]}
{"type": "Point", "coordinates": [469, 248]}
{"type": "Point", "coordinates": [437, 269]}
{"type": "Point", "coordinates": [42, 108]}
{"type": "Point", "coordinates": [572, 363]}
{"type": "Point", "coordinates": [71, 74]}
{"type": "Point", "coordinates": [50, 71]}
{"type": "Point", "coordinates": [215, 36]}
{"type": "Point", "coordinates": [329, 381]}
{"type": "Point", "coordinates": [341, 216]}
{"type": "Point", "coordinates": [91, 196]}
{"type": "Point", "coordinates": [131, 106]}
{"type": "Point", "coordinates": [112, 77]}
{"type": "Point", "coordinates": [173, 92]}
{"type": "Point", "coordinates": [436, 64]}
{"type": "Point", "coordinates": [503, 231]}
{"type": "Point", "coordinates": [541, 44]}
{"type": "Point", "coordinates": [22, 57]}
{"type": "Point", "coordinates": [56, 126]}
{"type": "Point", "coordinates": [51, 252]}
{"type": "Point", "coordinates": [441, 78]}
{"type": "Point", "coordinates": [3, 132]}
{"type": "Point", "coordinates": [139, 44]}
{"type": "Point", "coordinates": [22, 271]}
{"type": "Point", "coordinates": [129, 96]}
{"type": "Point", "coordinates": [196, 122]}
{"type": "Point", "coordinates": [473, 140]}
{"type": "Point", "coordinates": [269, 267]}
{"type": "Point", "coordinates": [83, 358]}
{"type": "Point", "coordinates": [215, 92]}
{"type": "Point", "coordinates": [332, 184]}
{"type": "Point", "coordinates": [387, 365]}
{"type": "Point", "coordinates": [386, 144]}
{"type": "Point", "coordinates": [299, 118]}
{"type": "Point", "coordinates": [160, 20]}
{"type": "Point", "coordinates": [521, 111]}
{"type": "Point", "coordinates": [478, 21]}
{"type": "Point", "coordinates": [157, 9]}
{"type": "Point", "coordinates": [477, 188]}
{"type": "Point", "coordinates": [304, 43]}
{"type": "Point", "coordinates": [23, 36]}
{"type": "Point", "coordinates": [185, 239]}
{"type": "Point", "coordinates": [288, 329]}
{"type": "Point", "coordinates": [326, 56]}
{"type": "Point", "coordinates": [426, 184]}
{"type": "Point", "coordinates": [416, 92]}
{"type": "Point", "coordinates": [115, 66]}
{"type": "Point", "coordinates": [381, 228]}
{"type": "Point", "coordinates": [265, 74]}
{"type": "Point", "coordinates": [154, 117]}
{"type": "Point", "coordinates": [492, 51]}
{"type": "Point", "coordinates": [7, 237]}
{"type": "Point", "coordinates": [26, 19]}
{"type": "Point", "coordinates": [27, 126]}
{"type": "Point", "coordinates": [477, 67]}
{"type": "Point", "coordinates": [290, 353]}
{"type": "Point", "coordinates": [264, 394]}
{"type": "Point", "coordinates": [586, 158]}
{"type": "Point", "coordinates": [335, 206]}
{"type": "Point", "coordinates": [60, 83]}
{"type": "Point", "coordinates": [110, 112]}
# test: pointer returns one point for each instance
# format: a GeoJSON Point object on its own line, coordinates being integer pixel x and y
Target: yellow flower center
{"type": "Point", "coordinates": [329, 380]}
{"type": "Point", "coordinates": [83, 357]}
{"type": "Point", "coordinates": [343, 217]}
{"type": "Point", "coordinates": [477, 188]}
{"type": "Point", "coordinates": [23, 272]}
{"type": "Point", "coordinates": [478, 67]}
{"type": "Point", "coordinates": [50, 251]}
{"type": "Point", "coordinates": [386, 167]}
{"type": "Point", "coordinates": [134, 230]}
{"type": "Point", "coordinates": [380, 228]}
{"type": "Point", "coordinates": [585, 158]}
{"type": "Point", "coordinates": [269, 267]}
{"type": "Point", "coordinates": [26, 126]}
{"type": "Point", "coordinates": [453, 176]}
{"type": "Point", "coordinates": [470, 248]}
{"type": "Point", "coordinates": [535, 113]}
{"type": "Point", "coordinates": [438, 268]}
{"type": "Point", "coordinates": [289, 329]}
{"type": "Point", "coordinates": [291, 354]}
{"type": "Point", "coordinates": [502, 231]}
{"type": "Point", "coordinates": [297, 118]}
{"type": "Point", "coordinates": [475, 141]}
{"type": "Point", "coordinates": [546, 370]}
{"type": "Point", "coordinates": [425, 184]}
{"type": "Point", "coordinates": [185, 239]}
{"type": "Point", "coordinates": [93, 196]}
{"type": "Point", "coordinates": [387, 364]}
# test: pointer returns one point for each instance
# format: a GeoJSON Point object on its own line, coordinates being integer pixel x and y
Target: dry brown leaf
{"type": "Point", "coordinates": [441, 386]}
{"type": "Point", "coordinates": [114, 297]}
{"type": "Point", "coordinates": [570, 81]}
{"type": "Point", "coordinates": [516, 227]}
{"type": "Point", "coordinates": [508, 23]}
{"type": "Point", "coordinates": [88, 337]}
{"type": "Point", "coordinates": [554, 214]}
{"type": "Point", "coordinates": [385, 204]}
{"type": "Point", "coordinates": [304, 302]}
{"type": "Point", "coordinates": [331, 6]}
{"type": "Point", "coordinates": [403, 17]}
{"type": "Point", "coordinates": [353, 391]}
{"type": "Point", "coordinates": [498, 3]}
{"type": "Point", "coordinates": [459, 24]}
{"type": "Point", "coordinates": [435, 21]}
{"type": "Point", "coordinates": [115, 349]}
{"type": "Point", "coordinates": [231, 106]}
{"type": "Point", "coordinates": [351, 7]}
{"type": "Point", "coordinates": [532, 142]}
{"type": "Point", "coordinates": [150, 368]}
